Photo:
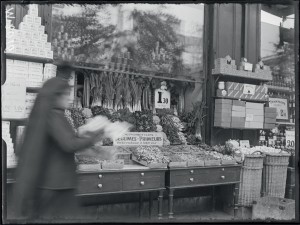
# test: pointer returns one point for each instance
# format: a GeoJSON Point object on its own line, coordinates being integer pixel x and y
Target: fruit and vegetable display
{"type": "Point", "coordinates": [181, 155]}
{"type": "Point", "coordinates": [149, 154]}
{"type": "Point", "coordinates": [144, 121]}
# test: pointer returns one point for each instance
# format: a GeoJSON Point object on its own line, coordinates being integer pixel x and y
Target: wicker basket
{"type": "Point", "coordinates": [250, 185]}
{"type": "Point", "coordinates": [274, 175]}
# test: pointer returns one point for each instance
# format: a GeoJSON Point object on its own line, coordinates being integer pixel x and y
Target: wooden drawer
{"type": "Point", "coordinates": [143, 180]}
{"type": "Point", "coordinates": [99, 183]}
{"type": "Point", "coordinates": [204, 176]}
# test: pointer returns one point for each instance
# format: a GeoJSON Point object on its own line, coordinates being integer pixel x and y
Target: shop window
{"type": "Point", "coordinates": [164, 39]}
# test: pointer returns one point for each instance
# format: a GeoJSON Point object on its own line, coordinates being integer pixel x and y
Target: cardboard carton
{"type": "Point", "coordinates": [270, 110]}
{"type": "Point", "coordinates": [270, 120]}
{"type": "Point", "coordinates": [255, 112]}
{"type": "Point", "coordinates": [223, 101]}
{"type": "Point", "coordinates": [238, 114]}
{"type": "Point", "coordinates": [251, 105]}
{"type": "Point", "coordinates": [238, 103]}
{"type": "Point", "coordinates": [238, 108]}
{"type": "Point", "coordinates": [269, 125]}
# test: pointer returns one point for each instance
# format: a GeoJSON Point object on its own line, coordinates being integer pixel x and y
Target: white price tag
{"type": "Point", "coordinates": [248, 66]}
{"type": "Point", "coordinates": [162, 99]}
{"type": "Point", "coordinates": [290, 138]}
{"type": "Point", "coordinates": [249, 89]}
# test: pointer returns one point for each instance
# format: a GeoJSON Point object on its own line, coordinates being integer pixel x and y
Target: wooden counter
{"type": "Point", "coordinates": [182, 178]}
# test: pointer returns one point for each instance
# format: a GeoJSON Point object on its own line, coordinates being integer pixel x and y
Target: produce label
{"type": "Point", "coordinates": [249, 89]}
{"type": "Point", "coordinates": [162, 99]}
{"type": "Point", "coordinates": [290, 138]}
{"type": "Point", "coordinates": [140, 138]}
{"type": "Point", "coordinates": [281, 105]}
{"type": "Point", "coordinates": [244, 143]}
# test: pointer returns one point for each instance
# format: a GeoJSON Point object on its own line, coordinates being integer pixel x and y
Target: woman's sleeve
{"type": "Point", "coordinates": [64, 136]}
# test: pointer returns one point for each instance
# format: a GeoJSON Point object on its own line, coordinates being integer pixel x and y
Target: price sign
{"type": "Point", "coordinates": [249, 89]}
{"type": "Point", "coordinates": [140, 138]}
{"type": "Point", "coordinates": [281, 105]}
{"type": "Point", "coordinates": [244, 143]}
{"type": "Point", "coordinates": [162, 99]}
{"type": "Point", "coordinates": [290, 138]}
{"type": "Point", "coordinates": [248, 66]}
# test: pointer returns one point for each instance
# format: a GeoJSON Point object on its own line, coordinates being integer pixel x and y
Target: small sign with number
{"type": "Point", "coordinates": [244, 143]}
{"type": "Point", "coordinates": [290, 138]}
{"type": "Point", "coordinates": [162, 99]}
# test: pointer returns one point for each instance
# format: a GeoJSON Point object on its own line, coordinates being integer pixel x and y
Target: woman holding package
{"type": "Point", "coordinates": [46, 173]}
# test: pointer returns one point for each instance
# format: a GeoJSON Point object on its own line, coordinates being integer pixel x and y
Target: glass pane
{"type": "Point", "coordinates": [165, 39]}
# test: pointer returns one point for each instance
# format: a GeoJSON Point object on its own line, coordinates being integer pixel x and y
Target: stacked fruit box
{"type": "Point", "coordinates": [270, 118]}
{"type": "Point", "coordinates": [254, 115]}
{"type": "Point", "coordinates": [223, 112]}
{"type": "Point", "coordinates": [238, 118]}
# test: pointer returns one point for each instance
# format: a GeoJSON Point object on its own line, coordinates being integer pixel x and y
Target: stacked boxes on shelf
{"type": "Point", "coordinates": [225, 65]}
{"type": "Point", "coordinates": [223, 113]}
{"type": "Point", "coordinates": [240, 91]}
{"type": "Point", "coordinates": [29, 102]}
{"type": "Point", "coordinates": [270, 118]}
{"type": "Point", "coordinates": [30, 39]}
{"type": "Point", "coordinates": [62, 44]}
{"type": "Point", "coordinates": [238, 118]}
{"type": "Point", "coordinates": [49, 71]}
{"type": "Point", "coordinates": [11, 157]}
{"type": "Point", "coordinates": [35, 74]}
{"type": "Point", "coordinates": [254, 115]}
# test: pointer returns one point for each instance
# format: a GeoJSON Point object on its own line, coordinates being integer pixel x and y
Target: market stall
{"type": "Point", "coordinates": [165, 147]}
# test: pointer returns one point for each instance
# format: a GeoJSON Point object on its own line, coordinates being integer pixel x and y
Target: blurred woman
{"type": "Point", "coordinates": [46, 172]}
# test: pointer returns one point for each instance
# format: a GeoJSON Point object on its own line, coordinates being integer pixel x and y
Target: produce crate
{"type": "Point", "coordinates": [275, 174]}
{"type": "Point", "coordinates": [177, 164]}
{"type": "Point", "coordinates": [192, 164]}
{"type": "Point", "coordinates": [151, 165]}
{"type": "Point", "coordinates": [273, 208]}
{"type": "Point", "coordinates": [125, 155]}
{"type": "Point", "coordinates": [112, 164]}
{"type": "Point", "coordinates": [250, 191]}
{"type": "Point", "coordinates": [212, 162]}
{"type": "Point", "coordinates": [89, 167]}
{"type": "Point", "coordinates": [228, 162]}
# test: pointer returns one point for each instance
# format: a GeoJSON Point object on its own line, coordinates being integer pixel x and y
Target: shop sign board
{"type": "Point", "coordinates": [162, 99]}
{"type": "Point", "coordinates": [281, 105]}
{"type": "Point", "coordinates": [290, 138]}
{"type": "Point", "coordinates": [140, 138]}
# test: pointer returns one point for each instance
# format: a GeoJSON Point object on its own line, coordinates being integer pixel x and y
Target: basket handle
{"type": "Point", "coordinates": [257, 151]}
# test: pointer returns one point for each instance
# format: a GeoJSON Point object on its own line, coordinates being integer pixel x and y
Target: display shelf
{"type": "Point", "coordinates": [246, 128]}
{"type": "Point", "coordinates": [285, 123]}
{"type": "Point", "coordinates": [248, 100]}
{"type": "Point", "coordinates": [134, 74]}
{"type": "Point", "coordinates": [14, 119]}
{"type": "Point", "coordinates": [234, 76]}
{"type": "Point", "coordinates": [32, 89]}
{"type": "Point", "coordinates": [27, 58]}
{"type": "Point", "coordinates": [280, 89]}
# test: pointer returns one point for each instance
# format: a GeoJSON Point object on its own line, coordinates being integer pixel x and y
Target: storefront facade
{"type": "Point", "coordinates": [184, 60]}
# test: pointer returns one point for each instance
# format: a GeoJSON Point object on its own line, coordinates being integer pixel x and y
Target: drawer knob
{"type": "Point", "coordinates": [192, 179]}
{"type": "Point", "coordinates": [142, 183]}
{"type": "Point", "coordinates": [223, 169]}
{"type": "Point", "coordinates": [142, 174]}
{"type": "Point", "coordinates": [192, 171]}
{"type": "Point", "coordinates": [223, 177]}
{"type": "Point", "coordinates": [100, 175]}
{"type": "Point", "coordinates": [99, 185]}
